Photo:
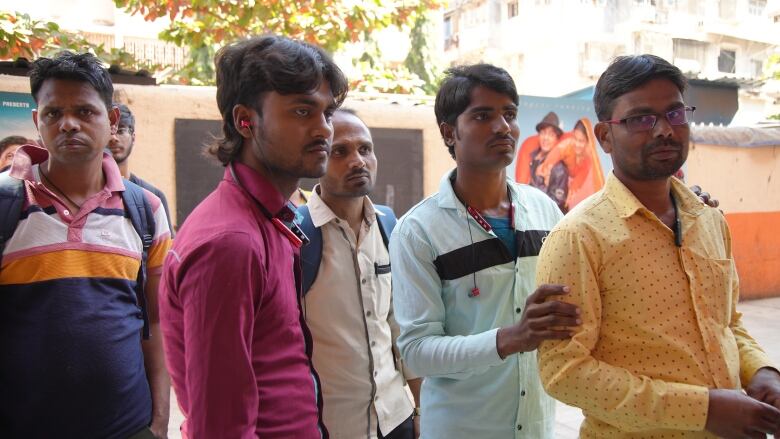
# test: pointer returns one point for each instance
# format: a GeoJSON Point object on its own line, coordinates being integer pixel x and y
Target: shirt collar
{"type": "Point", "coordinates": [28, 156]}
{"type": "Point", "coordinates": [262, 190]}
{"type": "Point", "coordinates": [628, 204]}
{"type": "Point", "coordinates": [447, 197]}
{"type": "Point", "coordinates": [321, 214]}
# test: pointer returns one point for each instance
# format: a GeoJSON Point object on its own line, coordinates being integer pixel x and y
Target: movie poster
{"type": "Point", "coordinates": [558, 151]}
{"type": "Point", "coordinates": [16, 115]}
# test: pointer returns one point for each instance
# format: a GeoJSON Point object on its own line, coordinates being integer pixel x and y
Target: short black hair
{"type": "Point", "coordinates": [454, 94]}
{"type": "Point", "coordinates": [126, 117]}
{"type": "Point", "coordinates": [249, 68]}
{"type": "Point", "coordinates": [352, 112]}
{"type": "Point", "coordinates": [13, 140]}
{"type": "Point", "coordinates": [627, 73]}
{"type": "Point", "coordinates": [82, 67]}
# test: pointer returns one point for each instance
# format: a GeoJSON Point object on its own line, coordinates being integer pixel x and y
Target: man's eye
{"type": "Point", "coordinates": [481, 116]}
{"type": "Point", "coordinates": [647, 119]}
{"type": "Point", "coordinates": [85, 112]}
{"type": "Point", "coordinates": [302, 112]}
{"type": "Point", "coordinates": [510, 115]}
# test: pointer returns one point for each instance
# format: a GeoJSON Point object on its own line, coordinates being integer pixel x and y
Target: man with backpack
{"type": "Point", "coordinates": [81, 253]}
{"type": "Point", "coordinates": [347, 294]}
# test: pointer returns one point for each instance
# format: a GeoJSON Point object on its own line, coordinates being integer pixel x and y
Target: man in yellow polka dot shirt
{"type": "Point", "coordinates": [662, 352]}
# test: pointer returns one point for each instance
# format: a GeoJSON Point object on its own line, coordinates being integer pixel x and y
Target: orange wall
{"type": "Point", "coordinates": [745, 181]}
{"type": "Point", "coordinates": [756, 248]}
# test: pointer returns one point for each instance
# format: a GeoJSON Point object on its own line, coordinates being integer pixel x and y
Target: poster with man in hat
{"type": "Point", "coordinates": [564, 165]}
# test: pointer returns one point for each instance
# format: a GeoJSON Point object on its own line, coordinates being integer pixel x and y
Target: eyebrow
{"type": "Point", "coordinates": [640, 111]}
{"type": "Point", "coordinates": [486, 108]}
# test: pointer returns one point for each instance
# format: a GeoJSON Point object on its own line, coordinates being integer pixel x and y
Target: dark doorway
{"type": "Point", "coordinates": [399, 154]}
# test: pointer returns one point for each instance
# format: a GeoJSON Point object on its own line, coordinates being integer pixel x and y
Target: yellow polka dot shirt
{"type": "Point", "coordinates": [660, 325]}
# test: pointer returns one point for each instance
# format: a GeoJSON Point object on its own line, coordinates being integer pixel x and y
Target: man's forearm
{"type": "Point", "coordinates": [157, 375]}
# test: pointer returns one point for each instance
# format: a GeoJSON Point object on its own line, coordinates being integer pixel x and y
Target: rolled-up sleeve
{"type": "Point", "coordinates": [420, 312]}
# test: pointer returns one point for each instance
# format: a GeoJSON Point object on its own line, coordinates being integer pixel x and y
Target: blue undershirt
{"type": "Point", "coordinates": [505, 232]}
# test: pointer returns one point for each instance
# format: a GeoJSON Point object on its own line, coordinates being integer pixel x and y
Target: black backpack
{"type": "Point", "coordinates": [311, 254]}
{"type": "Point", "coordinates": [137, 208]}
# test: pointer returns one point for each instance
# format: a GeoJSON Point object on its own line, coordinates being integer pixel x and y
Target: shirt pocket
{"type": "Point", "coordinates": [382, 271]}
{"type": "Point", "coordinates": [714, 281]}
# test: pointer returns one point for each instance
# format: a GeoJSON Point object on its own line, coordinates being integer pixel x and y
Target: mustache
{"type": "Point", "coordinates": [362, 172]}
{"type": "Point", "coordinates": [70, 139]}
{"type": "Point", "coordinates": [319, 143]}
{"type": "Point", "coordinates": [502, 138]}
{"type": "Point", "coordinates": [661, 144]}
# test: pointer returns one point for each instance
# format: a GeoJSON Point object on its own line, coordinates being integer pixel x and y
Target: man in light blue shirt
{"type": "Point", "coordinates": [463, 264]}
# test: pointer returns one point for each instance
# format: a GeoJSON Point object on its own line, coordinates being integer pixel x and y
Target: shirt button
{"type": "Point", "coordinates": [376, 398]}
{"type": "Point", "coordinates": [66, 212]}
{"type": "Point", "coordinates": [139, 316]}
{"type": "Point", "coordinates": [522, 393]}
{"type": "Point", "coordinates": [519, 427]}
{"type": "Point", "coordinates": [517, 310]}
{"type": "Point", "coordinates": [373, 343]}
{"type": "Point", "coordinates": [363, 281]}
{"type": "Point", "coordinates": [368, 313]}
{"type": "Point", "coordinates": [376, 372]}
{"type": "Point", "coordinates": [337, 221]}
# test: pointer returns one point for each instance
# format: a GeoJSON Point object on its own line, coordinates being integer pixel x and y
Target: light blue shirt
{"type": "Point", "coordinates": [449, 337]}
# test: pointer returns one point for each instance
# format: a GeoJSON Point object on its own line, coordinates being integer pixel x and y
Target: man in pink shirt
{"type": "Point", "coordinates": [236, 343]}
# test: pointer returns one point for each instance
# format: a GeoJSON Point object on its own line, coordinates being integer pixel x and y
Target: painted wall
{"type": "Point", "coordinates": [747, 183]}
{"type": "Point", "coordinates": [155, 109]}
{"type": "Point", "coordinates": [745, 180]}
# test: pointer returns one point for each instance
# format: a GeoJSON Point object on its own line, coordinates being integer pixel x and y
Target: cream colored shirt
{"type": "Point", "coordinates": [348, 310]}
{"type": "Point", "coordinates": [660, 325]}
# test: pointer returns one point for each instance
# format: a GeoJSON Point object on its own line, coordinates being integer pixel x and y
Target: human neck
{"type": "Point", "coordinates": [349, 209]}
{"type": "Point", "coordinates": [285, 183]}
{"type": "Point", "coordinates": [124, 168]}
{"type": "Point", "coordinates": [482, 190]}
{"type": "Point", "coordinates": [77, 182]}
{"type": "Point", "coordinates": [653, 194]}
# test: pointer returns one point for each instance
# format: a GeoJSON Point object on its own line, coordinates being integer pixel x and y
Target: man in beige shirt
{"type": "Point", "coordinates": [348, 304]}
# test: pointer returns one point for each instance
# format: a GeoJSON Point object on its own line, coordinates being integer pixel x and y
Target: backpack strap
{"type": "Point", "coordinates": [139, 210]}
{"type": "Point", "coordinates": [311, 253]}
{"type": "Point", "coordinates": [387, 222]}
{"type": "Point", "coordinates": [11, 204]}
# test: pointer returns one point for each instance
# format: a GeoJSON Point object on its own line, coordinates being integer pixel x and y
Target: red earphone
{"type": "Point", "coordinates": [244, 123]}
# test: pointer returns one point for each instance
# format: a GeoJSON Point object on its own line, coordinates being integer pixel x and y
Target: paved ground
{"type": "Point", "coordinates": [761, 317]}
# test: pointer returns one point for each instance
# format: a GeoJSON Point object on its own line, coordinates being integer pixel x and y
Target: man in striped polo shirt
{"type": "Point", "coordinates": [74, 363]}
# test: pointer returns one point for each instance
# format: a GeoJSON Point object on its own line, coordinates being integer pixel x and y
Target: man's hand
{"type": "Point", "coordinates": [541, 321]}
{"type": "Point", "coordinates": [765, 387]}
{"type": "Point", "coordinates": [705, 196]}
{"type": "Point", "coordinates": [159, 427]}
{"type": "Point", "coordinates": [416, 421]}
{"type": "Point", "coordinates": [732, 414]}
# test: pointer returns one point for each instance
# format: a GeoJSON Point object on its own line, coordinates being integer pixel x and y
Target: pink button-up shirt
{"type": "Point", "coordinates": [237, 348]}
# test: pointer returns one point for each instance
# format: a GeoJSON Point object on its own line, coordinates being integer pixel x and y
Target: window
{"type": "Point", "coordinates": [727, 61]}
{"type": "Point", "coordinates": [689, 50]}
{"type": "Point", "coordinates": [512, 9]}
{"type": "Point", "coordinates": [756, 7]}
{"type": "Point", "coordinates": [448, 32]}
{"type": "Point", "coordinates": [757, 68]}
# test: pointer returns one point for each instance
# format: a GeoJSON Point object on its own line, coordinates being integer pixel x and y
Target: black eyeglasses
{"type": "Point", "coordinates": [646, 122]}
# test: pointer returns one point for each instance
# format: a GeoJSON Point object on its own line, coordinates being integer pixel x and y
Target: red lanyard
{"type": "Point", "coordinates": [483, 222]}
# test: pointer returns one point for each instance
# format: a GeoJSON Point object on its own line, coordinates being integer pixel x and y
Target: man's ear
{"type": "Point", "coordinates": [447, 133]}
{"type": "Point", "coordinates": [243, 120]}
{"type": "Point", "coordinates": [35, 119]}
{"type": "Point", "coordinates": [603, 133]}
{"type": "Point", "coordinates": [113, 118]}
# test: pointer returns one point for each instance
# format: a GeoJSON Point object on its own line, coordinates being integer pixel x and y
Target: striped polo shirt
{"type": "Point", "coordinates": [70, 324]}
